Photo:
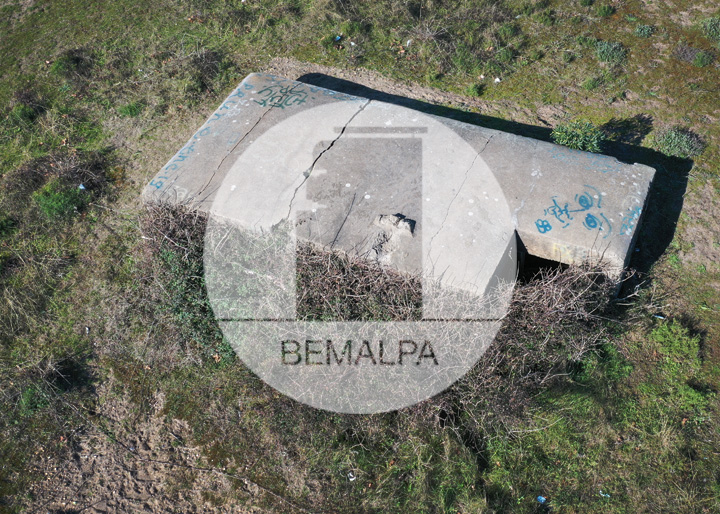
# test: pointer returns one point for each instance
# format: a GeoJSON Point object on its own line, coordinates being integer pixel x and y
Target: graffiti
{"type": "Point", "coordinates": [586, 205]}
{"type": "Point", "coordinates": [275, 92]}
{"type": "Point", "coordinates": [543, 226]}
{"type": "Point", "coordinates": [280, 96]}
{"type": "Point", "coordinates": [630, 219]}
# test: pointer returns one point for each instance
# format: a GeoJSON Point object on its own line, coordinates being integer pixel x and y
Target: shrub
{"type": "Point", "coordinates": [711, 28]}
{"type": "Point", "coordinates": [610, 51]}
{"type": "Point", "coordinates": [702, 59]}
{"type": "Point", "coordinates": [605, 10]}
{"type": "Point", "coordinates": [679, 142]}
{"type": "Point", "coordinates": [579, 135]}
{"type": "Point", "coordinates": [644, 30]}
{"type": "Point", "coordinates": [57, 200]}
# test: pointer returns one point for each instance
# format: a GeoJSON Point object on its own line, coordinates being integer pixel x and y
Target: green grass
{"type": "Point", "coordinates": [579, 135]}
{"type": "Point", "coordinates": [679, 142]}
{"type": "Point", "coordinates": [611, 52]}
{"type": "Point", "coordinates": [644, 30]}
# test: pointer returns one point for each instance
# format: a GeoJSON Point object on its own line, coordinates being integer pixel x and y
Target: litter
{"type": "Point", "coordinates": [541, 499]}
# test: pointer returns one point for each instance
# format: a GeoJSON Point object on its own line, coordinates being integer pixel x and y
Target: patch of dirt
{"type": "Point", "coordinates": [704, 230]}
{"type": "Point", "coordinates": [151, 467]}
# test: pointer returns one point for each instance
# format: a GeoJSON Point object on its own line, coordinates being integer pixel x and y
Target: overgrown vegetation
{"type": "Point", "coordinates": [598, 405]}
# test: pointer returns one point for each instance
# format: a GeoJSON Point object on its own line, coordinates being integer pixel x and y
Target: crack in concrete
{"type": "Point", "coordinates": [447, 212]}
{"type": "Point", "coordinates": [222, 161]}
{"type": "Point", "coordinates": [308, 172]}
{"type": "Point", "coordinates": [337, 234]}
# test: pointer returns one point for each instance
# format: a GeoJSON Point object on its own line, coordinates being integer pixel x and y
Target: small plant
{"type": "Point", "coordinates": [476, 89]}
{"type": "Point", "coordinates": [586, 3]}
{"type": "Point", "coordinates": [605, 10]}
{"type": "Point", "coordinates": [586, 41]}
{"type": "Point", "coordinates": [711, 28]}
{"type": "Point", "coordinates": [506, 31]}
{"type": "Point", "coordinates": [545, 17]}
{"type": "Point", "coordinates": [579, 135]}
{"type": "Point", "coordinates": [591, 83]}
{"type": "Point", "coordinates": [679, 142]}
{"type": "Point", "coordinates": [131, 110]}
{"type": "Point", "coordinates": [536, 55]}
{"type": "Point", "coordinates": [644, 30]}
{"type": "Point", "coordinates": [568, 57]}
{"type": "Point", "coordinates": [505, 55]}
{"type": "Point", "coordinates": [56, 200]}
{"type": "Point", "coordinates": [610, 52]}
{"type": "Point", "coordinates": [702, 59]}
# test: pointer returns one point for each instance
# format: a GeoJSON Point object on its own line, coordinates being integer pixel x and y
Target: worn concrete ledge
{"type": "Point", "coordinates": [419, 192]}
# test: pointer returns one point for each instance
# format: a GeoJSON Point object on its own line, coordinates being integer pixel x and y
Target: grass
{"type": "Point", "coordinates": [579, 135]}
{"type": "Point", "coordinates": [679, 142]}
{"type": "Point", "coordinates": [584, 396]}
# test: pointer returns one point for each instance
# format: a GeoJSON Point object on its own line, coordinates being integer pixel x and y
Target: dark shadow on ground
{"type": "Point", "coordinates": [665, 199]}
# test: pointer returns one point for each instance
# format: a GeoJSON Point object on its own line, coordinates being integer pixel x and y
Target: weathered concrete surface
{"type": "Point", "coordinates": [422, 193]}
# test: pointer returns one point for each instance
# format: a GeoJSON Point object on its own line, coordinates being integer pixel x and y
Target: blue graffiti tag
{"type": "Point", "coordinates": [588, 202]}
{"type": "Point", "coordinates": [543, 226]}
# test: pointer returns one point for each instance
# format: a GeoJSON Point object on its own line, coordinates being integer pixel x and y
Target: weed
{"type": "Point", "coordinates": [679, 142]}
{"type": "Point", "coordinates": [702, 59]}
{"type": "Point", "coordinates": [507, 31]}
{"type": "Point", "coordinates": [505, 55]}
{"type": "Point", "coordinates": [605, 10]}
{"type": "Point", "coordinates": [579, 135]}
{"type": "Point", "coordinates": [610, 52]}
{"type": "Point", "coordinates": [545, 17]}
{"type": "Point", "coordinates": [536, 55]}
{"type": "Point", "coordinates": [476, 89]}
{"type": "Point", "coordinates": [644, 30]}
{"type": "Point", "coordinates": [591, 83]}
{"type": "Point", "coordinates": [711, 28]}
{"type": "Point", "coordinates": [131, 110]}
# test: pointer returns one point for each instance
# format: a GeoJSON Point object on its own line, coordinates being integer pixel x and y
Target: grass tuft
{"type": "Point", "coordinates": [579, 135]}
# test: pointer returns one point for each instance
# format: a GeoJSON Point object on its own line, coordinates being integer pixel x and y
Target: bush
{"type": "Point", "coordinates": [605, 10]}
{"type": "Point", "coordinates": [579, 135]}
{"type": "Point", "coordinates": [644, 30]}
{"type": "Point", "coordinates": [679, 142]}
{"type": "Point", "coordinates": [610, 51]}
{"type": "Point", "coordinates": [56, 200]}
{"type": "Point", "coordinates": [702, 59]}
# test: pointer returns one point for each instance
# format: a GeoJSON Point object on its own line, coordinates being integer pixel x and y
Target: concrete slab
{"type": "Point", "coordinates": [421, 193]}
